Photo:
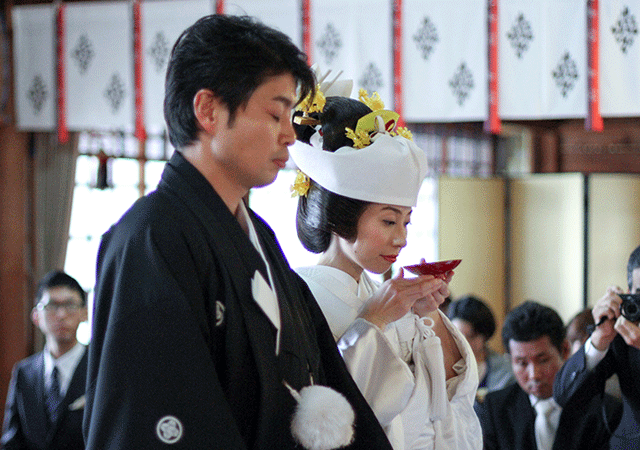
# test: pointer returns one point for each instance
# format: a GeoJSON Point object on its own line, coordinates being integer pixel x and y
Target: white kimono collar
{"type": "Point", "coordinates": [264, 293]}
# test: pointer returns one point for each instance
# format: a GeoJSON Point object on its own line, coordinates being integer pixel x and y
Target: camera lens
{"type": "Point", "coordinates": [631, 310]}
{"type": "Point", "coordinates": [630, 307]}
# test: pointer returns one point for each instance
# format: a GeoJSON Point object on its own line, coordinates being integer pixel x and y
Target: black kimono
{"type": "Point", "coordinates": [181, 353]}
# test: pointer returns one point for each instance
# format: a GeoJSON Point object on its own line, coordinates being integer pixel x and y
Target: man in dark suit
{"type": "Point", "coordinates": [612, 348]}
{"type": "Point", "coordinates": [524, 416]}
{"type": "Point", "coordinates": [45, 404]}
{"type": "Point", "coordinates": [200, 327]}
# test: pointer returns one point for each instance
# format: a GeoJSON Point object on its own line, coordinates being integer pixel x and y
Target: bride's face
{"type": "Point", "coordinates": [382, 233]}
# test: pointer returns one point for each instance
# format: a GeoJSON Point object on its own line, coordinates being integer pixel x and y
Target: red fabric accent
{"type": "Point", "coordinates": [397, 60]}
{"type": "Point", "coordinates": [306, 30]}
{"type": "Point", "coordinates": [140, 131]}
{"type": "Point", "coordinates": [220, 7]}
{"type": "Point", "coordinates": [63, 131]}
{"type": "Point", "coordinates": [594, 119]}
{"type": "Point", "coordinates": [493, 123]}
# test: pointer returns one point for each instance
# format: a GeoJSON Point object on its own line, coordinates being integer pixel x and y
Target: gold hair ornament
{"type": "Point", "coordinates": [300, 185]}
{"type": "Point", "coordinates": [310, 105]}
{"type": "Point", "coordinates": [404, 132]}
{"type": "Point", "coordinates": [379, 120]}
{"type": "Point", "coordinates": [315, 104]}
{"type": "Point", "coordinates": [374, 102]}
{"type": "Point", "coordinates": [360, 138]}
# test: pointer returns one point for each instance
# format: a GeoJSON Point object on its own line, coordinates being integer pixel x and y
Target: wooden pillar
{"type": "Point", "coordinates": [15, 281]}
{"type": "Point", "coordinates": [15, 328]}
{"type": "Point", "coordinates": [549, 156]}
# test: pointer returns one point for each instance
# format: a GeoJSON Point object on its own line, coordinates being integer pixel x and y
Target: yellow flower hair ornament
{"type": "Point", "coordinates": [310, 105]}
{"type": "Point", "coordinates": [300, 185]}
{"type": "Point", "coordinates": [375, 122]}
{"type": "Point", "coordinates": [315, 104]}
{"type": "Point", "coordinates": [374, 101]}
{"type": "Point", "coordinates": [360, 138]}
{"type": "Point", "coordinates": [404, 132]}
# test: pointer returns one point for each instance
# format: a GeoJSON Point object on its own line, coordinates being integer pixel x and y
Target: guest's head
{"type": "Point", "coordinates": [578, 329]}
{"type": "Point", "coordinates": [60, 307]}
{"type": "Point", "coordinates": [534, 337]}
{"type": "Point", "coordinates": [474, 319]}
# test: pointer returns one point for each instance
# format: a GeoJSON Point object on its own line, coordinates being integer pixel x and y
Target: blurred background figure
{"type": "Point", "coordinates": [475, 320]}
{"type": "Point", "coordinates": [578, 331]}
{"type": "Point", "coordinates": [45, 403]}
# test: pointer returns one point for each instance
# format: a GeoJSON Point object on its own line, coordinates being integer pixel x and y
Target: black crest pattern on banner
{"type": "Point", "coordinates": [426, 37]}
{"type": "Point", "coordinates": [330, 43]}
{"type": "Point", "coordinates": [115, 92]}
{"type": "Point", "coordinates": [462, 83]}
{"type": "Point", "coordinates": [520, 35]}
{"type": "Point", "coordinates": [566, 74]}
{"type": "Point", "coordinates": [625, 29]}
{"type": "Point", "coordinates": [37, 94]}
{"type": "Point", "coordinates": [371, 79]}
{"type": "Point", "coordinates": [83, 53]}
{"type": "Point", "coordinates": [159, 51]}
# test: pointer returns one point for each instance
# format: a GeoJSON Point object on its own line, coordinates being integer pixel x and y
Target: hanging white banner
{"type": "Point", "coordinates": [356, 37]}
{"type": "Point", "coordinates": [566, 59]}
{"type": "Point", "coordinates": [334, 40]}
{"type": "Point", "coordinates": [283, 15]}
{"type": "Point", "coordinates": [520, 55]}
{"type": "Point", "coordinates": [374, 27]}
{"type": "Point", "coordinates": [542, 59]}
{"type": "Point", "coordinates": [445, 60]}
{"type": "Point", "coordinates": [619, 58]}
{"type": "Point", "coordinates": [99, 65]}
{"type": "Point", "coordinates": [35, 88]}
{"type": "Point", "coordinates": [162, 23]}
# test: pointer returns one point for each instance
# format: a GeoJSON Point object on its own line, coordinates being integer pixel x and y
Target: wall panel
{"type": "Point", "coordinates": [547, 241]}
{"type": "Point", "coordinates": [472, 228]}
{"type": "Point", "coordinates": [614, 230]}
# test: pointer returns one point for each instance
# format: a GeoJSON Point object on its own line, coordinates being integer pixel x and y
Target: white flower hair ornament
{"type": "Point", "coordinates": [323, 419]}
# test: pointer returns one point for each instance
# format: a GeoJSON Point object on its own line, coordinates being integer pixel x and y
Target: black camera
{"type": "Point", "coordinates": [630, 308]}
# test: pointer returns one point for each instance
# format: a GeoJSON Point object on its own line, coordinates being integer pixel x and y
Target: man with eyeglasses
{"type": "Point", "coordinates": [45, 403]}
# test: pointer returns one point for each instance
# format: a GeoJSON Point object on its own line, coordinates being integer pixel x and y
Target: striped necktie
{"type": "Point", "coordinates": [54, 398]}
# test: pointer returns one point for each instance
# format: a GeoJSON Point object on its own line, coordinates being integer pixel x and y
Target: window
{"type": "Point", "coordinates": [95, 209]}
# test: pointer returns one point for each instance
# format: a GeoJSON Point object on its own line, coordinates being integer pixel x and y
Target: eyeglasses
{"type": "Point", "coordinates": [52, 308]}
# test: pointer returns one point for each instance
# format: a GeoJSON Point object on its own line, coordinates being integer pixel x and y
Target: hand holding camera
{"type": "Point", "coordinates": [624, 312]}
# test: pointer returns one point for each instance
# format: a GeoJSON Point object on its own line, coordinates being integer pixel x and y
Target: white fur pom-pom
{"type": "Point", "coordinates": [323, 419]}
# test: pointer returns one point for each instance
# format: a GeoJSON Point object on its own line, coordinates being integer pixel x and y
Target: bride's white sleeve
{"type": "Point", "coordinates": [384, 379]}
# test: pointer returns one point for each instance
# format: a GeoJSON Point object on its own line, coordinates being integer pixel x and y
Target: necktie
{"type": "Point", "coordinates": [545, 427]}
{"type": "Point", "coordinates": [53, 397]}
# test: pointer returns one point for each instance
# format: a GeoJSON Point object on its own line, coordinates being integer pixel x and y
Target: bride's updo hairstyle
{"type": "Point", "coordinates": [322, 212]}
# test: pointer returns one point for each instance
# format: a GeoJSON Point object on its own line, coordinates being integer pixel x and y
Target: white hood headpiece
{"type": "Point", "coordinates": [390, 170]}
{"type": "Point", "coordinates": [383, 166]}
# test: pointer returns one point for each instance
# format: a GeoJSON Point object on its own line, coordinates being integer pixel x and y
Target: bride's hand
{"type": "Point", "coordinates": [397, 296]}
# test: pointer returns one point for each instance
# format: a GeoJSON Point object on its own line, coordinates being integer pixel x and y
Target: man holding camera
{"type": "Point", "coordinates": [614, 347]}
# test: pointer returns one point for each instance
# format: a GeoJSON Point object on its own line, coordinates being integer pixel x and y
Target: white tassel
{"type": "Point", "coordinates": [323, 419]}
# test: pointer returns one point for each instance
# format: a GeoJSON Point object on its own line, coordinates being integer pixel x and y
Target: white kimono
{"type": "Point", "coordinates": [401, 371]}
